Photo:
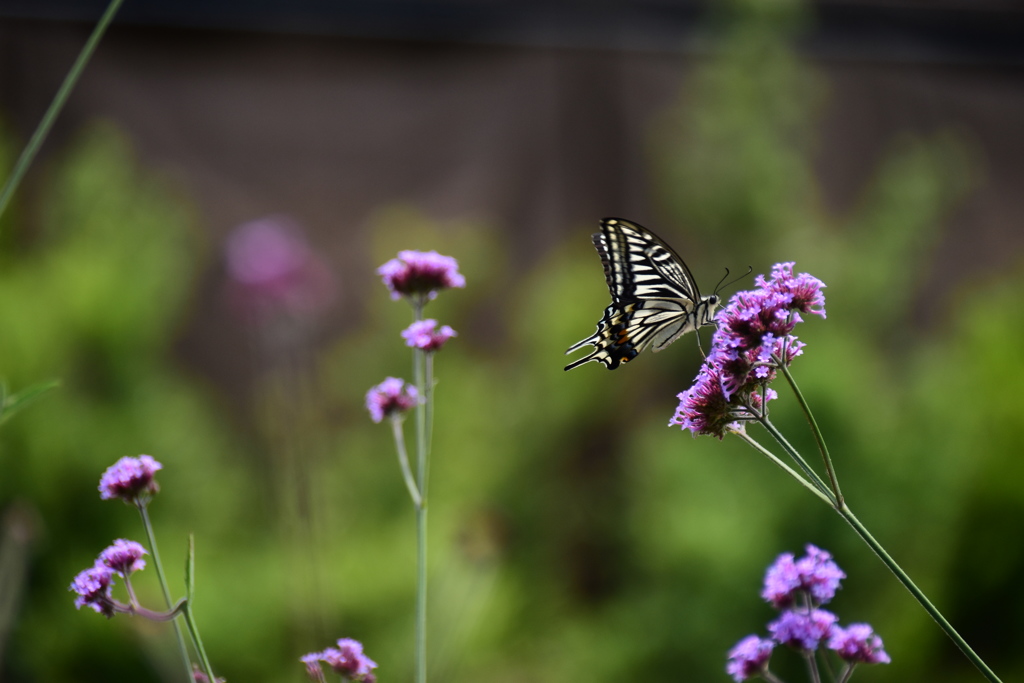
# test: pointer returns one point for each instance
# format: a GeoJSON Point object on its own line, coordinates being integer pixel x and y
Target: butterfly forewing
{"type": "Point", "coordinates": [654, 297]}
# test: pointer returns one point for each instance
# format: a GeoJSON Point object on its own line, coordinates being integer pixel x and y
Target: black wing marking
{"type": "Point", "coordinates": [655, 299]}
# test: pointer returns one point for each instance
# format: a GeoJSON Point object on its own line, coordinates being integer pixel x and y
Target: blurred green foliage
{"type": "Point", "coordinates": [573, 535]}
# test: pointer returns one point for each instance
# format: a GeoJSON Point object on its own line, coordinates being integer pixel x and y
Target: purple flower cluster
{"type": "Point", "coordinates": [858, 643]}
{"type": "Point", "coordinates": [754, 338]}
{"type": "Point", "coordinates": [425, 335]}
{"type": "Point", "coordinates": [94, 584]}
{"type": "Point", "coordinates": [815, 573]}
{"type": "Point", "coordinates": [420, 274]}
{"type": "Point", "coordinates": [749, 658]}
{"type": "Point", "coordinates": [802, 629]}
{"type": "Point", "coordinates": [347, 659]}
{"type": "Point", "coordinates": [124, 557]}
{"type": "Point", "coordinates": [799, 587]}
{"type": "Point", "coordinates": [391, 397]}
{"type": "Point", "coordinates": [93, 588]}
{"type": "Point", "coordinates": [130, 479]}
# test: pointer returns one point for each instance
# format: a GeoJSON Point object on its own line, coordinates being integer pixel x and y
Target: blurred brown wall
{"type": "Point", "coordinates": [537, 141]}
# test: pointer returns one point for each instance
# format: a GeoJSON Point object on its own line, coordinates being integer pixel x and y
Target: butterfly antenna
{"type": "Point", "coordinates": [720, 285]}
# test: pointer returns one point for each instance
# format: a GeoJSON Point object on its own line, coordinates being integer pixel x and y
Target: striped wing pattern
{"type": "Point", "coordinates": [654, 297]}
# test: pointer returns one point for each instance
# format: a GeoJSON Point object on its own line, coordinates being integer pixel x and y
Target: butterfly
{"type": "Point", "coordinates": [655, 299]}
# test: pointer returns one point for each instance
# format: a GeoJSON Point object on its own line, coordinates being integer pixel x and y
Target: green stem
{"type": "Point", "coordinates": [818, 438]}
{"type": "Point", "coordinates": [775, 459]}
{"type": "Point", "coordinates": [193, 630]}
{"type": "Point", "coordinates": [43, 129]}
{"type": "Point", "coordinates": [812, 667]}
{"type": "Point", "coordinates": [421, 369]}
{"type": "Point", "coordinates": [162, 579]}
{"type": "Point", "coordinates": [916, 592]}
{"type": "Point", "coordinates": [797, 458]}
{"type": "Point", "coordinates": [403, 460]}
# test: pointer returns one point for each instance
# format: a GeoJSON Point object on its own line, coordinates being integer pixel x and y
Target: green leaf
{"type": "Point", "coordinates": [9, 405]}
{"type": "Point", "coordinates": [190, 569]}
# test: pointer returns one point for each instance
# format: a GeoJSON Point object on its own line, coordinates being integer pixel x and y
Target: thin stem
{"type": "Point", "coordinates": [36, 141]}
{"type": "Point", "coordinates": [133, 601]}
{"type": "Point", "coordinates": [193, 630]}
{"type": "Point", "coordinates": [136, 610]}
{"type": "Point", "coordinates": [789, 470]}
{"type": "Point", "coordinates": [887, 560]}
{"type": "Point", "coordinates": [847, 672]}
{"type": "Point", "coordinates": [812, 667]}
{"type": "Point", "coordinates": [421, 593]}
{"type": "Point", "coordinates": [797, 458]}
{"type": "Point", "coordinates": [428, 417]}
{"type": "Point", "coordinates": [770, 677]}
{"type": "Point", "coordinates": [827, 666]}
{"type": "Point", "coordinates": [162, 579]}
{"type": "Point", "coordinates": [420, 371]}
{"type": "Point", "coordinates": [403, 460]}
{"type": "Point", "coordinates": [818, 438]}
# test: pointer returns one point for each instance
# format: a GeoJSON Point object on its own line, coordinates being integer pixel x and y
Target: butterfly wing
{"type": "Point", "coordinates": [655, 299]}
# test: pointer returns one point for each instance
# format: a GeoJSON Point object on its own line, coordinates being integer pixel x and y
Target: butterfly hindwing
{"type": "Point", "coordinates": [655, 299]}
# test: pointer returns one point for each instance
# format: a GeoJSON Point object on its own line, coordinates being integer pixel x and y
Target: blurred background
{"type": "Point", "coordinates": [193, 255]}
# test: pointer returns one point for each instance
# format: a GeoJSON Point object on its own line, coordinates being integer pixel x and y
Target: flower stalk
{"type": "Point", "coordinates": [140, 504]}
{"type": "Point", "coordinates": [418, 277]}
{"type": "Point", "coordinates": [423, 369]}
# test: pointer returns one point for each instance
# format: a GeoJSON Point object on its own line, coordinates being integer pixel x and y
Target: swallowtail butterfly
{"type": "Point", "coordinates": [655, 299]}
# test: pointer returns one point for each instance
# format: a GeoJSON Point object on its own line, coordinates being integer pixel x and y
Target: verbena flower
{"type": "Point", "coordinates": [124, 557]}
{"type": "Point", "coordinates": [390, 397]}
{"type": "Point", "coordinates": [705, 409]}
{"type": "Point", "coordinates": [816, 574]}
{"type": "Point", "coordinates": [347, 659]}
{"type": "Point", "coordinates": [130, 479]}
{"type": "Point", "coordinates": [313, 670]}
{"type": "Point", "coordinates": [797, 587]}
{"type": "Point", "coordinates": [754, 337]}
{"type": "Point", "coordinates": [272, 270]}
{"type": "Point", "coordinates": [420, 274]}
{"type": "Point", "coordinates": [424, 335]}
{"type": "Point", "coordinates": [749, 658]}
{"type": "Point", "coordinates": [857, 643]}
{"type": "Point", "coordinates": [93, 587]}
{"type": "Point", "coordinates": [803, 630]}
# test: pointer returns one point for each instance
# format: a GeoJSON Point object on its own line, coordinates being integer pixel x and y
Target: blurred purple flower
{"type": "Point", "coordinates": [93, 587]}
{"type": "Point", "coordinates": [803, 630]}
{"type": "Point", "coordinates": [420, 273]}
{"type": "Point", "coordinates": [313, 669]}
{"type": "Point", "coordinates": [347, 659]}
{"type": "Point", "coordinates": [816, 573]}
{"type": "Point", "coordinates": [124, 557]}
{"type": "Point", "coordinates": [390, 397]}
{"type": "Point", "coordinates": [130, 479]}
{"type": "Point", "coordinates": [200, 676]}
{"type": "Point", "coordinates": [858, 643]}
{"type": "Point", "coordinates": [423, 335]}
{"type": "Point", "coordinates": [749, 658]}
{"type": "Point", "coordinates": [272, 271]}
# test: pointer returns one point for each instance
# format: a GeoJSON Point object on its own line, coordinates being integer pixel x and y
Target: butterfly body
{"type": "Point", "coordinates": [655, 299]}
